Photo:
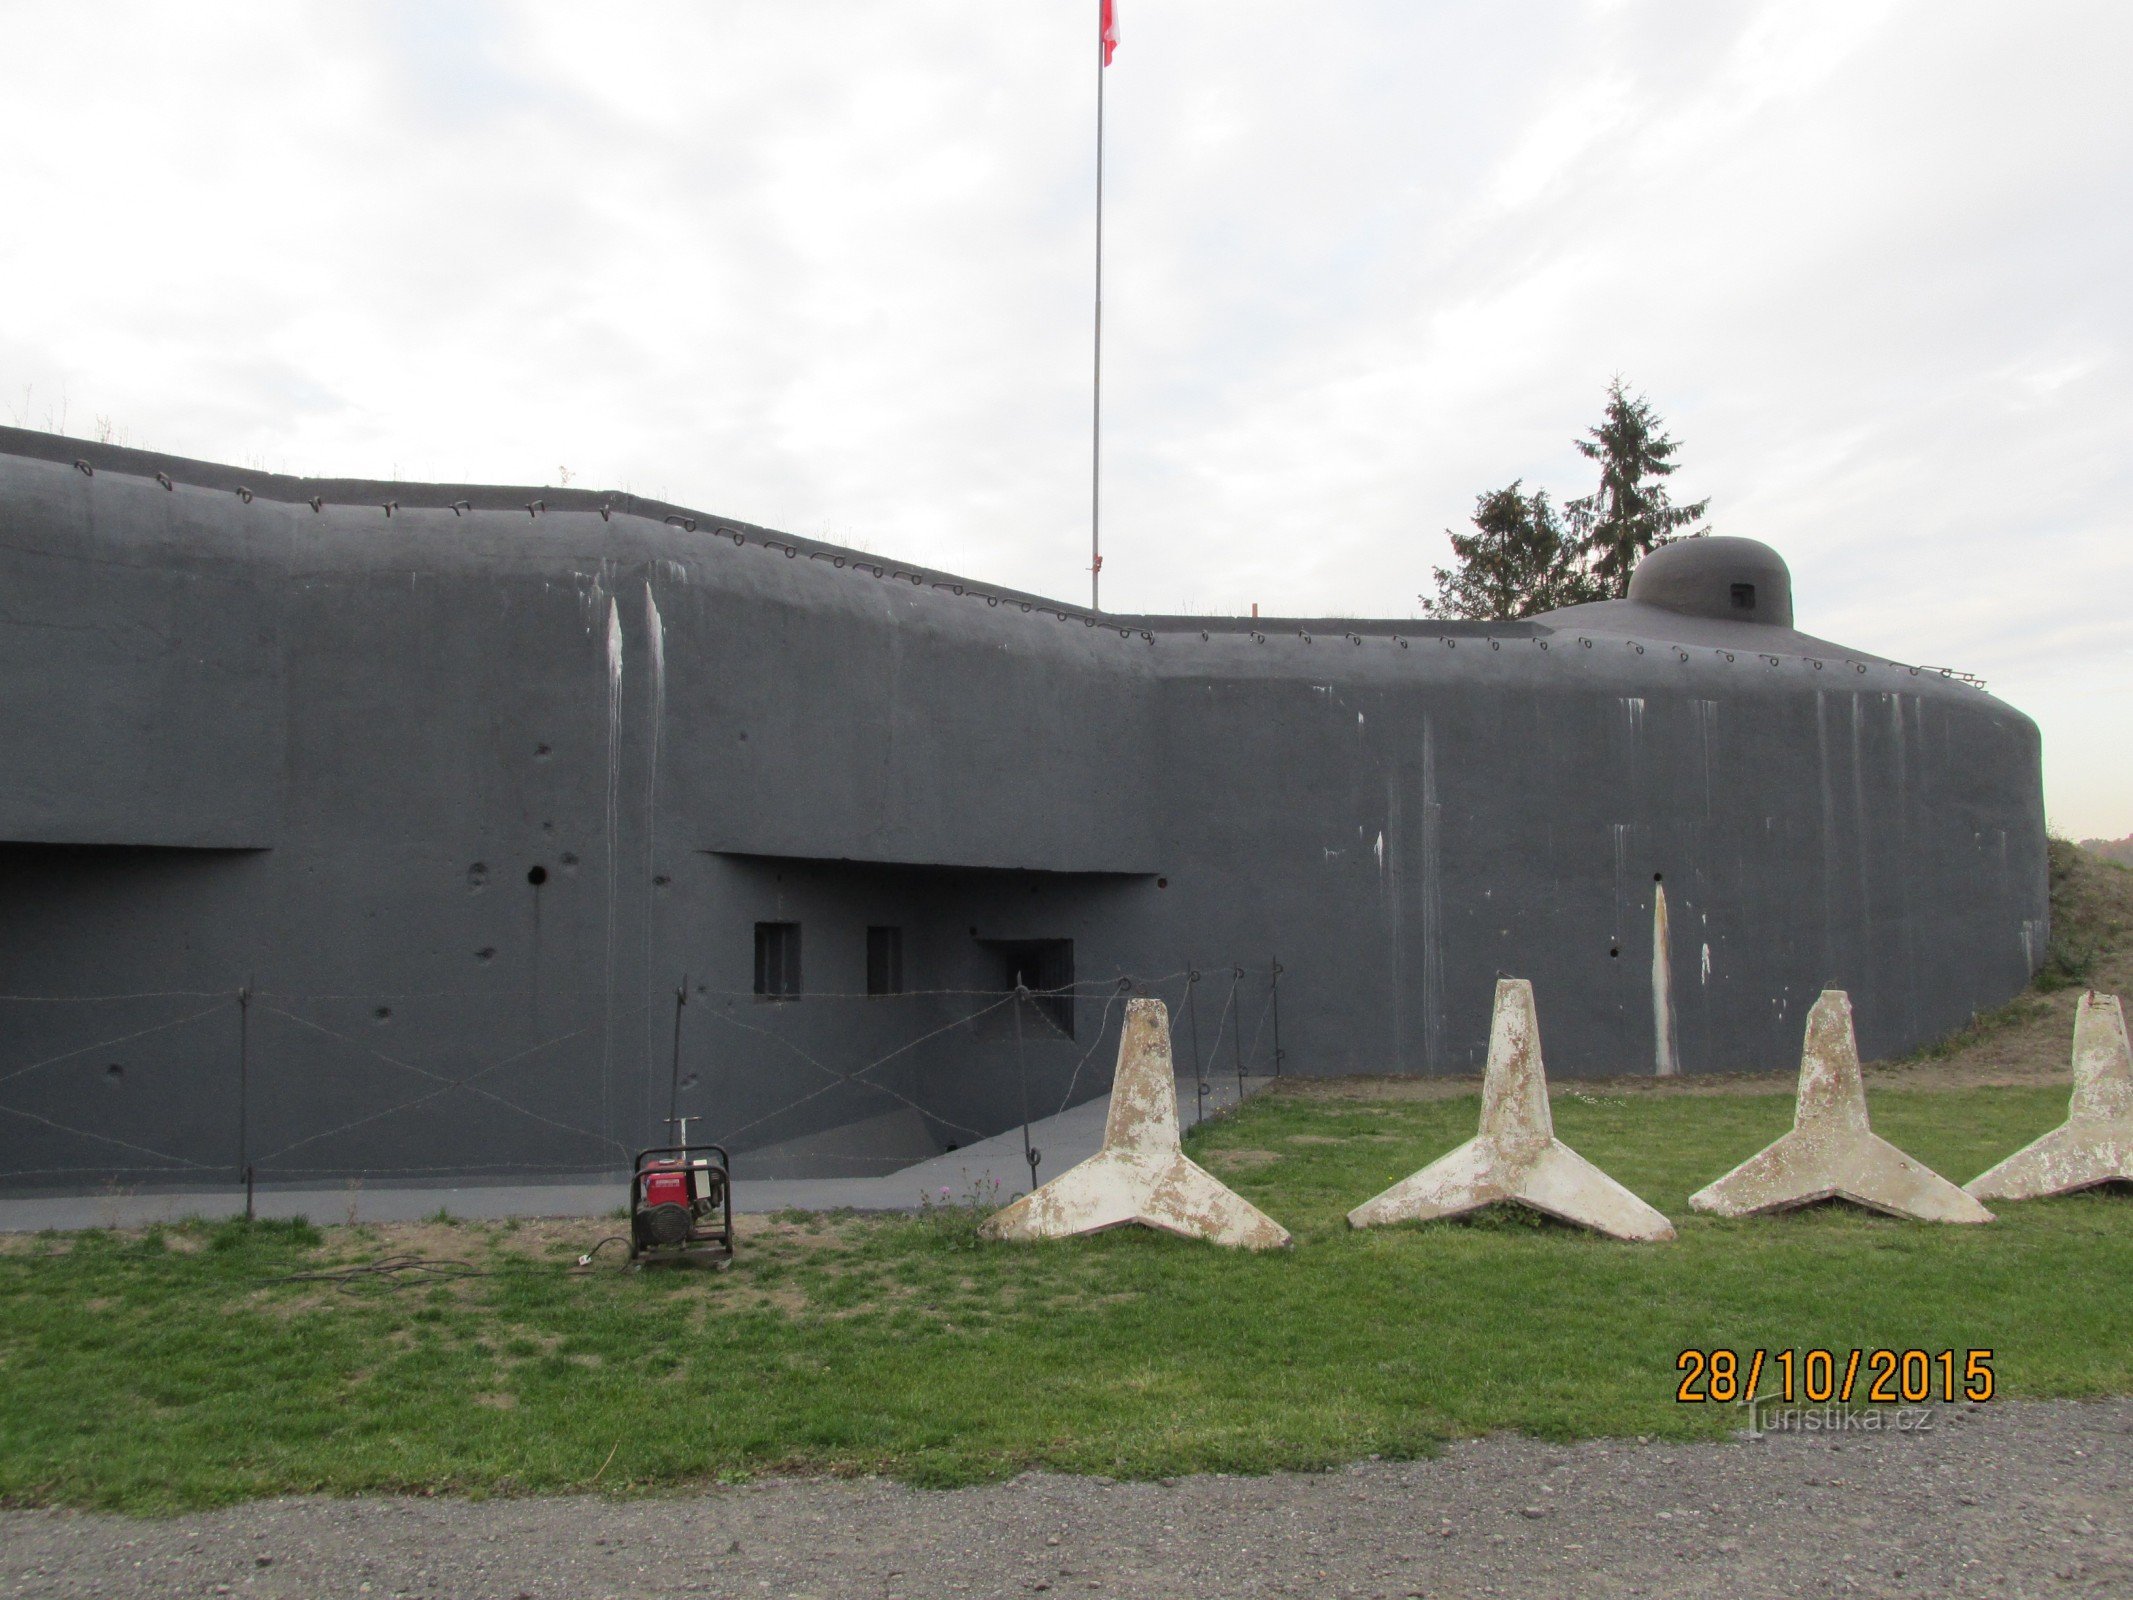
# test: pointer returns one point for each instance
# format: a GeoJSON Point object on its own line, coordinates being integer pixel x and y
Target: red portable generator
{"type": "Point", "coordinates": [681, 1205]}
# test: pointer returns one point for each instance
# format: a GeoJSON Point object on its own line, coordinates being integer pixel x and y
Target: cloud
{"type": "Point", "coordinates": [827, 266]}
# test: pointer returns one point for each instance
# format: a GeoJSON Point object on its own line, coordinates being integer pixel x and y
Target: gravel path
{"type": "Point", "coordinates": [2002, 1500]}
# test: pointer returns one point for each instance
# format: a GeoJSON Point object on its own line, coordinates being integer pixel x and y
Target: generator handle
{"type": "Point", "coordinates": [683, 1150]}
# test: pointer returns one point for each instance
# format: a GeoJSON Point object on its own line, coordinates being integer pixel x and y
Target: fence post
{"type": "Point", "coordinates": [1192, 1018]}
{"type": "Point", "coordinates": [1029, 1152]}
{"type": "Point", "coordinates": [1273, 989]}
{"type": "Point", "coordinates": [681, 998]}
{"type": "Point", "coordinates": [244, 1093]}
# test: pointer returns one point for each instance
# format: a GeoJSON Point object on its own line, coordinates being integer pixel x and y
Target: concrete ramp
{"type": "Point", "coordinates": [2094, 1146]}
{"type": "Point", "coordinates": [1516, 1157]}
{"type": "Point", "coordinates": [871, 1146]}
{"type": "Point", "coordinates": [1831, 1153]}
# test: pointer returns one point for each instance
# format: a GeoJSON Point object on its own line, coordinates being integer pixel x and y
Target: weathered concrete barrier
{"type": "Point", "coordinates": [2095, 1143]}
{"type": "Point", "coordinates": [1516, 1156]}
{"type": "Point", "coordinates": [1831, 1153]}
{"type": "Point", "coordinates": [1141, 1175]}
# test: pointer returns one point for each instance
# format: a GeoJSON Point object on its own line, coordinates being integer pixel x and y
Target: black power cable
{"type": "Point", "coordinates": [394, 1272]}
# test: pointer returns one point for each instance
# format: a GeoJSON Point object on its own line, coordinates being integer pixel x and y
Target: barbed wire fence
{"type": "Point", "coordinates": [251, 1085]}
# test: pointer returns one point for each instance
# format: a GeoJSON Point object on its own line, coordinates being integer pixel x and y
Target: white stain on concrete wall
{"type": "Point", "coordinates": [655, 638]}
{"type": "Point", "coordinates": [1665, 1061]}
{"type": "Point", "coordinates": [614, 786]}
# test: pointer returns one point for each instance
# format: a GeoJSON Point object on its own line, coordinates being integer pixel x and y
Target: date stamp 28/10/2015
{"type": "Point", "coordinates": [1839, 1377]}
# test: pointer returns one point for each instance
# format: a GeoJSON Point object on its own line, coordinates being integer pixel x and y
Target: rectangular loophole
{"type": "Point", "coordinates": [1744, 597]}
{"type": "Point", "coordinates": [777, 960]}
{"type": "Point", "coordinates": [885, 961]}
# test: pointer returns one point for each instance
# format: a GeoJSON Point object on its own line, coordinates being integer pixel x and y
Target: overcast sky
{"type": "Point", "coordinates": [826, 265]}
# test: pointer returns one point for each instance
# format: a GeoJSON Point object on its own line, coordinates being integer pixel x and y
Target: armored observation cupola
{"type": "Point", "coordinates": [1726, 579]}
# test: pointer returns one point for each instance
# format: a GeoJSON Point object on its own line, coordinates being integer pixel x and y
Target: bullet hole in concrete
{"type": "Point", "coordinates": [114, 1074]}
{"type": "Point", "coordinates": [486, 953]}
{"type": "Point", "coordinates": [382, 1014]}
{"type": "Point", "coordinates": [744, 736]}
{"type": "Point", "coordinates": [973, 933]}
{"type": "Point", "coordinates": [952, 1145]}
{"type": "Point", "coordinates": [536, 876]}
{"type": "Point", "coordinates": [478, 875]}
{"type": "Point", "coordinates": [547, 827]}
{"type": "Point", "coordinates": [1658, 877]}
{"type": "Point", "coordinates": [661, 881]}
{"type": "Point", "coordinates": [1617, 950]}
{"type": "Point", "coordinates": [570, 861]}
{"type": "Point", "coordinates": [541, 752]}
{"type": "Point", "coordinates": [1162, 883]}
{"type": "Point", "coordinates": [688, 1080]}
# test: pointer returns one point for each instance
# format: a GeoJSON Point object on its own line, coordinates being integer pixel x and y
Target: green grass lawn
{"type": "Point", "coordinates": [159, 1371]}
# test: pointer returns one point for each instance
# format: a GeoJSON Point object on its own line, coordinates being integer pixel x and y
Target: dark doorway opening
{"type": "Point", "coordinates": [1046, 968]}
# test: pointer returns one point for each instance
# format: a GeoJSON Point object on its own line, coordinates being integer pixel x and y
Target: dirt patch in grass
{"type": "Point", "coordinates": [371, 1242]}
{"type": "Point", "coordinates": [828, 1230]}
{"type": "Point", "coordinates": [35, 1244]}
{"type": "Point", "coordinates": [1239, 1160]}
{"type": "Point", "coordinates": [271, 1302]}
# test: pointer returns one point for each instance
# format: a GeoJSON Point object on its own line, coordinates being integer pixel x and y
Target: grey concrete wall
{"type": "Point", "coordinates": [320, 751]}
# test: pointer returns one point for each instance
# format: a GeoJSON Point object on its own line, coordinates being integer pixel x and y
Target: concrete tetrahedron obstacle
{"type": "Point", "coordinates": [2095, 1143]}
{"type": "Point", "coordinates": [1516, 1155]}
{"type": "Point", "coordinates": [1141, 1175]}
{"type": "Point", "coordinates": [1831, 1153]}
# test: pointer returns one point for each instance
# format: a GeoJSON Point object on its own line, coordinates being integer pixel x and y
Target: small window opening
{"type": "Point", "coordinates": [1744, 597]}
{"type": "Point", "coordinates": [885, 961]}
{"type": "Point", "coordinates": [777, 960]}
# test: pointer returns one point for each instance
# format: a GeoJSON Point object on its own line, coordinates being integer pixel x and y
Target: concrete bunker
{"type": "Point", "coordinates": [692, 727]}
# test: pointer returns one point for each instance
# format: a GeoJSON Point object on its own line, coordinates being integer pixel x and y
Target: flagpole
{"type": "Point", "coordinates": [1096, 420]}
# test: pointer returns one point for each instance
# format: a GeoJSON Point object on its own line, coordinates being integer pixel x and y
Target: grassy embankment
{"type": "Point", "coordinates": [165, 1369]}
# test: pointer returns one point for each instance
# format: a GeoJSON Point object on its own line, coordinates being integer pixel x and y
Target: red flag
{"type": "Point", "coordinates": [1110, 29]}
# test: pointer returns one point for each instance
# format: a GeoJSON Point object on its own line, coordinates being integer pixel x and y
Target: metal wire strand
{"type": "Point", "coordinates": [838, 1079]}
{"type": "Point", "coordinates": [1103, 1027]}
{"type": "Point", "coordinates": [178, 1163]}
{"type": "Point", "coordinates": [449, 1086]}
{"type": "Point", "coordinates": [126, 1038]}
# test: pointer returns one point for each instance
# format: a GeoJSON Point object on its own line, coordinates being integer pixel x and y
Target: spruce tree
{"type": "Point", "coordinates": [1519, 561]}
{"type": "Point", "coordinates": [1630, 513]}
